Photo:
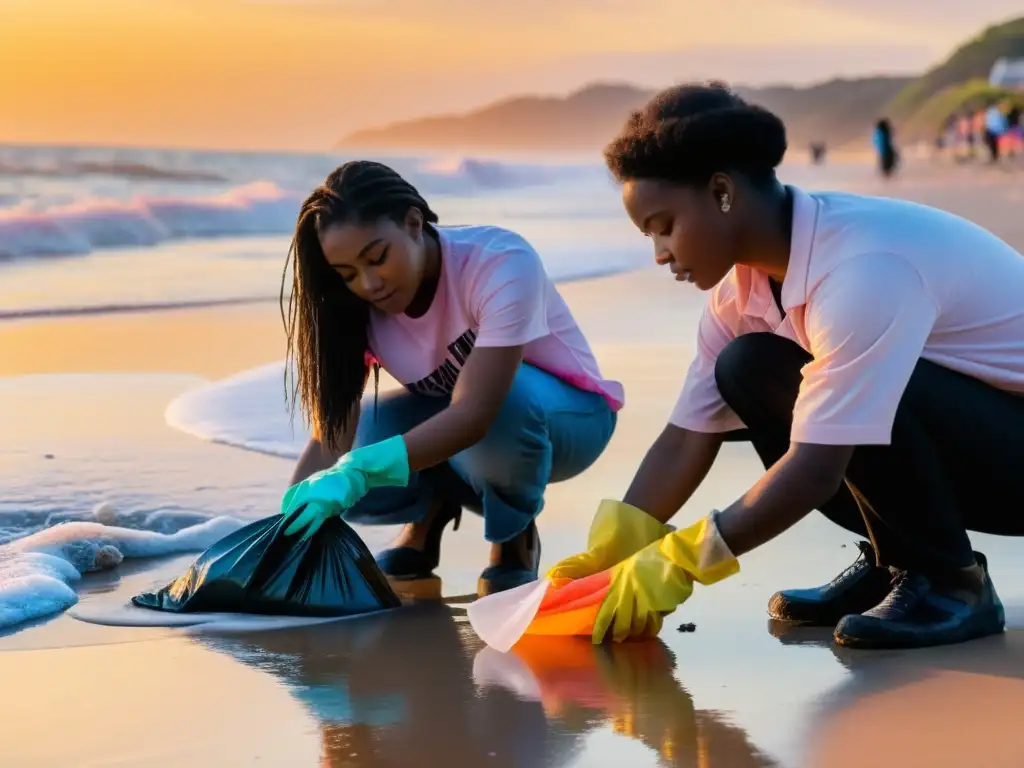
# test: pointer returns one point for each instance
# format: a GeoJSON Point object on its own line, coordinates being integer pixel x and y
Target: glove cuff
{"type": "Point", "coordinates": [612, 512]}
{"type": "Point", "coordinates": [393, 468]}
{"type": "Point", "coordinates": [381, 464]}
{"type": "Point", "coordinates": [701, 551]}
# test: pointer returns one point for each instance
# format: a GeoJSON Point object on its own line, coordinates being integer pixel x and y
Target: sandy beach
{"type": "Point", "coordinates": [416, 687]}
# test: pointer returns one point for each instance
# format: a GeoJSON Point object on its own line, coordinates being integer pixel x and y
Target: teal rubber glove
{"type": "Point", "coordinates": [312, 517]}
{"type": "Point", "coordinates": [331, 491]}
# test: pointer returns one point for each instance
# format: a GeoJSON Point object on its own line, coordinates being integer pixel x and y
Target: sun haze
{"type": "Point", "coordinates": [300, 73]}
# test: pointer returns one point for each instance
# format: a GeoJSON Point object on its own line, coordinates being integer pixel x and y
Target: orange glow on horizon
{"type": "Point", "coordinates": [300, 73]}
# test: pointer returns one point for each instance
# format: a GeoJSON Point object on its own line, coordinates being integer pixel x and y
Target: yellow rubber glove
{"type": "Point", "coordinates": [617, 531]}
{"type": "Point", "coordinates": [659, 578]}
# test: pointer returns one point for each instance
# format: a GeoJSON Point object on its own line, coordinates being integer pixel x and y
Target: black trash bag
{"type": "Point", "coordinates": [258, 569]}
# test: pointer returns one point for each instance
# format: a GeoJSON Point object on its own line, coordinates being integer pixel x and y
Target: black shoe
{"type": "Point", "coordinates": [408, 563]}
{"type": "Point", "coordinates": [917, 614]}
{"type": "Point", "coordinates": [861, 586]}
{"type": "Point", "coordinates": [514, 567]}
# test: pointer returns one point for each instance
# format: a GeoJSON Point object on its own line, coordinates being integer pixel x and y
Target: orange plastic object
{"type": "Point", "coordinates": [570, 607]}
{"type": "Point", "coordinates": [552, 608]}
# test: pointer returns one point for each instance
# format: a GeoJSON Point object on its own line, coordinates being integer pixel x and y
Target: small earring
{"type": "Point", "coordinates": [726, 205]}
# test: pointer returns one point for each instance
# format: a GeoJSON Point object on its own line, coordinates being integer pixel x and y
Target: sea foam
{"type": "Point", "coordinates": [37, 570]}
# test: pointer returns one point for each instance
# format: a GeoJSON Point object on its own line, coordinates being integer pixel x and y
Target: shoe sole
{"type": "Point", "coordinates": [484, 583]}
{"type": "Point", "coordinates": [418, 588]}
{"type": "Point", "coordinates": [821, 623]}
{"type": "Point", "coordinates": [485, 587]}
{"type": "Point", "coordinates": [991, 621]}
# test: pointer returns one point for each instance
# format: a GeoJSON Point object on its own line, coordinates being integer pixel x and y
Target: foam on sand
{"type": "Point", "coordinates": [247, 410]}
{"type": "Point", "coordinates": [114, 613]}
{"type": "Point", "coordinates": [37, 571]}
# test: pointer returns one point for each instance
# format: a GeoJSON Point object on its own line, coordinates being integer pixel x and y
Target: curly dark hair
{"type": "Point", "coordinates": [688, 133]}
{"type": "Point", "coordinates": [326, 324]}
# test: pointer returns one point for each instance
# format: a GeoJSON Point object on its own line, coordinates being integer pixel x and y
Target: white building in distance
{"type": "Point", "coordinates": [1007, 73]}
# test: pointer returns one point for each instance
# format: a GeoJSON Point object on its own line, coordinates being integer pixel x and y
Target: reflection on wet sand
{"type": "Point", "coordinates": [945, 706]}
{"type": "Point", "coordinates": [629, 687]}
{"type": "Point", "coordinates": [416, 687]}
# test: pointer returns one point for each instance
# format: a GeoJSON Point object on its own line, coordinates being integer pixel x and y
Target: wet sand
{"type": "Point", "coordinates": [416, 687]}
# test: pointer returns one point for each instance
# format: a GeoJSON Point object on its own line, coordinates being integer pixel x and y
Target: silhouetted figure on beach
{"type": "Point", "coordinates": [888, 158]}
{"type": "Point", "coordinates": [1013, 129]}
{"type": "Point", "coordinates": [995, 127]}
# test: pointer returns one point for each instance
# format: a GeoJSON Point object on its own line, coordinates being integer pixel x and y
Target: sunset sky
{"type": "Point", "coordinates": [298, 74]}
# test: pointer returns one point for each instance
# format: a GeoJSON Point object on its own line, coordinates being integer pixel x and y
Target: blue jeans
{"type": "Point", "coordinates": [546, 431]}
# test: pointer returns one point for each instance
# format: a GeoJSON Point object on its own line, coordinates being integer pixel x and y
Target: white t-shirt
{"type": "Point", "coordinates": [873, 285]}
{"type": "Point", "coordinates": [492, 292]}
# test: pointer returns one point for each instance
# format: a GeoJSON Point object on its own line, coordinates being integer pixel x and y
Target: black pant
{"type": "Point", "coordinates": [955, 462]}
{"type": "Point", "coordinates": [887, 161]}
{"type": "Point", "coordinates": [992, 142]}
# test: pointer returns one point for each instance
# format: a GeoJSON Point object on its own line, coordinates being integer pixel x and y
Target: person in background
{"type": "Point", "coordinates": [965, 129]}
{"type": "Point", "coordinates": [995, 127]}
{"type": "Point", "coordinates": [818, 150]}
{"type": "Point", "coordinates": [947, 140]}
{"type": "Point", "coordinates": [502, 394]}
{"type": "Point", "coordinates": [1014, 132]}
{"type": "Point", "coordinates": [879, 379]}
{"type": "Point", "coordinates": [882, 140]}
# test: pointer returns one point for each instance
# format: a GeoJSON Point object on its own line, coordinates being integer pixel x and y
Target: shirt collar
{"type": "Point", "coordinates": [805, 223]}
{"type": "Point", "coordinates": [753, 294]}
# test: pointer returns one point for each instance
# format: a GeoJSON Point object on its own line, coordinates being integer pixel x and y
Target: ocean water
{"type": "Point", "coordinates": [111, 230]}
{"type": "Point", "coordinates": [97, 230]}
{"type": "Point", "coordinates": [93, 230]}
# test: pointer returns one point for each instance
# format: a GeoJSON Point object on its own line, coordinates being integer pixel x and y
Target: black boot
{"type": "Point", "coordinates": [919, 612]}
{"type": "Point", "coordinates": [513, 564]}
{"type": "Point", "coordinates": [860, 587]}
{"type": "Point", "coordinates": [408, 563]}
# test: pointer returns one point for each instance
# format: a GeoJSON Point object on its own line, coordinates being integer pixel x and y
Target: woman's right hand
{"type": "Point", "coordinates": [618, 531]}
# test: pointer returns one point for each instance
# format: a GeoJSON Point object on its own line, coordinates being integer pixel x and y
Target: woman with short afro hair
{"type": "Point", "coordinates": [871, 350]}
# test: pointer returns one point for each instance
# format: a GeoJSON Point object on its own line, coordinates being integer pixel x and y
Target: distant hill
{"type": "Point", "coordinates": [928, 120]}
{"type": "Point", "coordinates": [588, 118]}
{"type": "Point", "coordinates": [959, 82]}
{"type": "Point", "coordinates": [971, 61]}
{"type": "Point", "coordinates": [582, 119]}
{"type": "Point", "coordinates": [839, 111]}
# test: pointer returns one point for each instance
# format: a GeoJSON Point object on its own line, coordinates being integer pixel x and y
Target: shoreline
{"type": "Point", "coordinates": [49, 313]}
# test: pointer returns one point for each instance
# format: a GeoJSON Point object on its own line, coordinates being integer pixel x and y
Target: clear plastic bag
{"type": "Point", "coordinates": [546, 607]}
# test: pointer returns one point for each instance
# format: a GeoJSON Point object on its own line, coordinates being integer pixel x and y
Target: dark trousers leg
{"type": "Point", "coordinates": [955, 462]}
{"type": "Point", "coordinates": [761, 385]}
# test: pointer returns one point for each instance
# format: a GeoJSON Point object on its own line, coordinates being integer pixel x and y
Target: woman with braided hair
{"type": "Point", "coordinates": [871, 350]}
{"type": "Point", "coordinates": [502, 394]}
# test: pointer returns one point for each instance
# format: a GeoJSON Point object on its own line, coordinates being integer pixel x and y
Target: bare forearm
{"type": "Point", "coordinates": [671, 472]}
{"type": "Point", "coordinates": [479, 394]}
{"type": "Point", "coordinates": [797, 484]}
{"type": "Point", "coordinates": [313, 459]}
{"type": "Point", "coordinates": [318, 456]}
{"type": "Point", "coordinates": [440, 437]}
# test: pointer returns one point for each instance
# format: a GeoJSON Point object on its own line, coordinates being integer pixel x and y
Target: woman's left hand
{"type": "Point", "coordinates": [331, 491]}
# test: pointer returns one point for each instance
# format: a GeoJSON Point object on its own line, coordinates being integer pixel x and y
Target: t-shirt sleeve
{"type": "Point", "coordinates": [700, 407]}
{"type": "Point", "coordinates": [867, 324]}
{"type": "Point", "coordinates": [508, 293]}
